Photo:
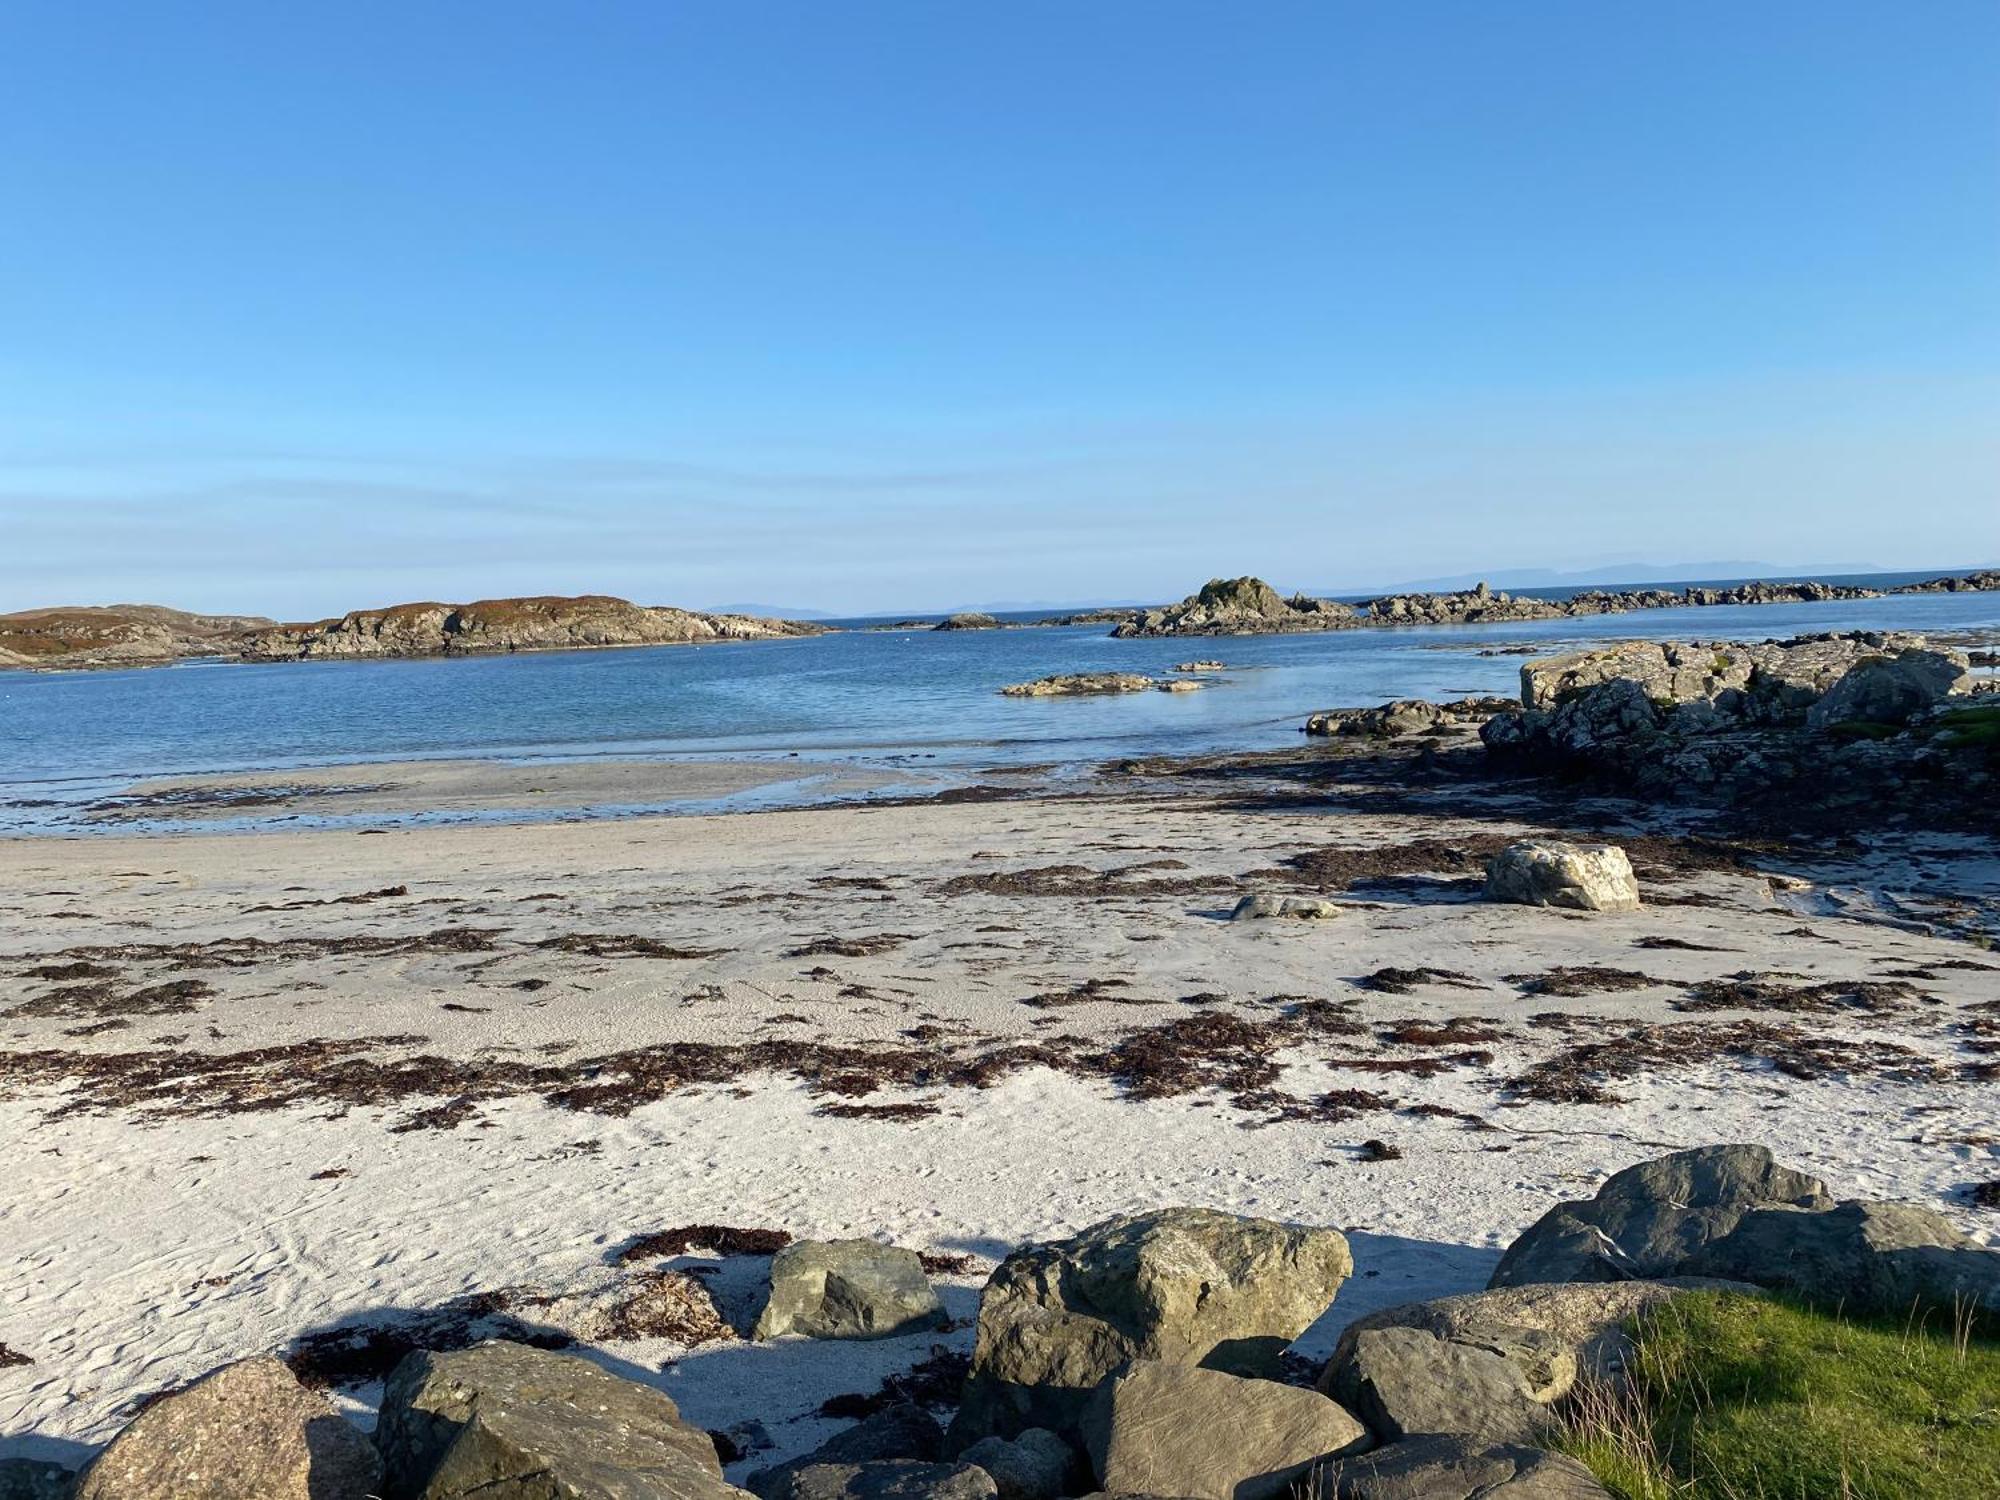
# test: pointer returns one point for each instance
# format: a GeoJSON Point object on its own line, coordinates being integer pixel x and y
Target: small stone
{"type": "Point", "coordinates": [1301, 908]}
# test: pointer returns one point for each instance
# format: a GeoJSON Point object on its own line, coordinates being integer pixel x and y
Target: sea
{"type": "Point", "coordinates": [914, 700]}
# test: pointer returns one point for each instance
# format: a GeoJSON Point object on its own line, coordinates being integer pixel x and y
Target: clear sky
{"type": "Point", "coordinates": [307, 306]}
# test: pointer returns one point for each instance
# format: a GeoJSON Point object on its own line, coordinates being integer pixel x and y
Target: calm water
{"type": "Point", "coordinates": [907, 697]}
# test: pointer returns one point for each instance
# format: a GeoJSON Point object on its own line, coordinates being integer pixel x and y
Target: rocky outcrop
{"type": "Point", "coordinates": [517, 1411]}
{"type": "Point", "coordinates": [1407, 716]}
{"type": "Point", "coordinates": [116, 635]}
{"type": "Point", "coordinates": [970, 620]}
{"type": "Point", "coordinates": [1575, 877]}
{"type": "Point", "coordinates": [1647, 1220]}
{"type": "Point", "coordinates": [847, 1289]}
{"type": "Point", "coordinates": [1201, 1434]}
{"type": "Point", "coordinates": [1183, 1286]}
{"type": "Point", "coordinates": [1240, 606]}
{"type": "Point", "coordinates": [247, 1429]}
{"type": "Point", "coordinates": [1823, 726]}
{"type": "Point", "coordinates": [1096, 684]}
{"type": "Point", "coordinates": [547, 623]}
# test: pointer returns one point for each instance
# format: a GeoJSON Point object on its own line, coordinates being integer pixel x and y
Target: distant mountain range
{"type": "Point", "coordinates": [1619, 572]}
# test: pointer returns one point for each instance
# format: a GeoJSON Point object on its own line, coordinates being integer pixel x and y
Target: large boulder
{"type": "Point", "coordinates": [431, 1398]}
{"type": "Point", "coordinates": [1648, 1219]}
{"type": "Point", "coordinates": [1889, 689]}
{"type": "Point", "coordinates": [848, 1289]}
{"type": "Point", "coordinates": [891, 1479]}
{"type": "Point", "coordinates": [1037, 1465]}
{"type": "Point", "coordinates": [1889, 1257]}
{"type": "Point", "coordinates": [1404, 1381]}
{"type": "Point", "coordinates": [1576, 877]}
{"type": "Point", "coordinates": [532, 1451]}
{"type": "Point", "coordinates": [247, 1429]}
{"type": "Point", "coordinates": [1187, 1286]}
{"type": "Point", "coordinates": [1549, 1332]}
{"type": "Point", "coordinates": [1182, 1430]}
{"type": "Point", "coordinates": [1458, 1468]}
{"type": "Point", "coordinates": [904, 1430]}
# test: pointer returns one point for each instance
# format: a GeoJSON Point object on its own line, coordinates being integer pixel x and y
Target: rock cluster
{"type": "Point", "coordinates": [1239, 606]}
{"type": "Point", "coordinates": [1095, 684]}
{"type": "Point", "coordinates": [1407, 716]}
{"type": "Point", "coordinates": [1140, 1357]}
{"type": "Point", "coordinates": [1827, 722]}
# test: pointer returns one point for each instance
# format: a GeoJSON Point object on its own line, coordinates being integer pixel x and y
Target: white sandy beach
{"type": "Point", "coordinates": [162, 1217]}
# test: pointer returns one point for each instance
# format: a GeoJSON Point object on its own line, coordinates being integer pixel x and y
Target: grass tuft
{"type": "Point", "coordinates": [1733, 1397]}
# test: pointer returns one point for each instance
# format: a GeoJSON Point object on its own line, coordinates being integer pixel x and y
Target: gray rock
{"type": "Point", "coordinates": [1458, 1468]}
{"type": "Point", "coordinates": [1037, 1465]}
{"type": "Point", "coordinates": [1889, 689]}
{"type": "Point", "coordinates": [430, 1398]}
{"type": "Point", "coordinates": [1183, 1430]}
{"type": "Point", "coordinates": [527, 1450]}
{"type": "Point", "coordinates": [1648, 1219]}
{"type": "Point", "coordinates": [1404, 1381]}
{"type": "Point", "coordinates": [1549, 1332]}
{"type": "Point", "coordinates": [1576, 877]}
{"type": "Point", "coordinates": [1304, 908]}
{"type": "Point", "coordinates": [1183, 1285]}
{"type": "Point", "coordinates": [904, 1430]}
{"type": "Point", "coordinates": [247, 1429]}
{"type": "Point", "coordinates": [889, 1480]}
{"type": "Point", "coordinates": [1887, 1257]}
{"type": "Point", "coordinates": [847, 1289]}
{"type": "Point", "coordinates": [30, 1479]}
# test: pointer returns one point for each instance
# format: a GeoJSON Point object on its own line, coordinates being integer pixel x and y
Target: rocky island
{"type": "Point", "coordinates": [142, 635]}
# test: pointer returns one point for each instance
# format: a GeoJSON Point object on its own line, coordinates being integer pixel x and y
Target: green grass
{"type": "Point", "coordinates": [1746, 1398]}
{"type": "Point", "coordinates": [1863, 729]}
{"type": "Point", "coordinates": [1969, 727]}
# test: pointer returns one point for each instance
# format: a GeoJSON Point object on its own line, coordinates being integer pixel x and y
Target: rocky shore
{"type": "Point", "coordinates": [1146, 1355]}
{"type": "Point", "coordinates": [1250, 606]}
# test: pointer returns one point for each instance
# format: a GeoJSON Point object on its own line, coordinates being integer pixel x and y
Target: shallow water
{"type": "Point", "coordinates": [897, 698]}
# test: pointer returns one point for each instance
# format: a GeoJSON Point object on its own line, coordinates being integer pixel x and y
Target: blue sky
{"type": "Point", "coordinates": [877, 306]}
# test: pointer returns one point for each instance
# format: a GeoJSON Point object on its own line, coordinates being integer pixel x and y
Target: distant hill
{"type": "Point", "coordinates": [771, 611]}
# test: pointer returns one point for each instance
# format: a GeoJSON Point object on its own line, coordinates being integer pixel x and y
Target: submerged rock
{"type": "Point", "coordinates": [1080, 684]}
